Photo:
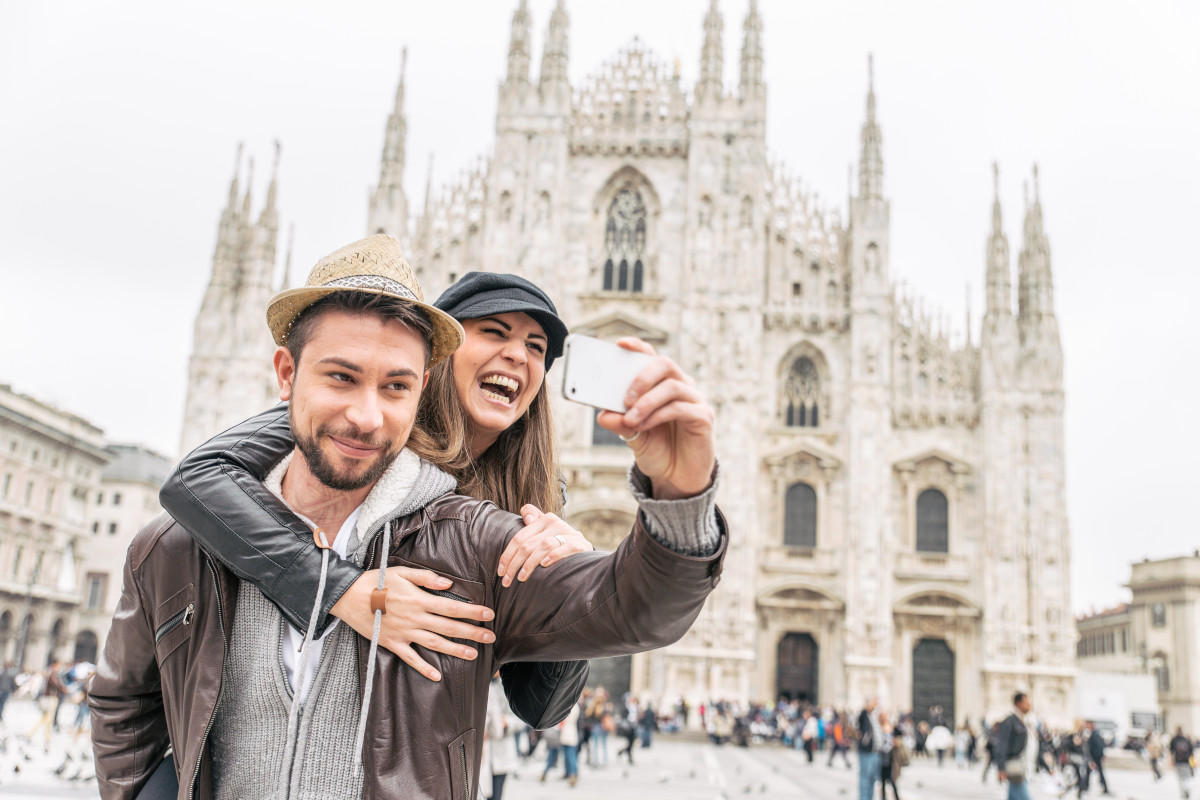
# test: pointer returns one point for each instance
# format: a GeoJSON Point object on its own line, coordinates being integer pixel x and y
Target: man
{"type": "Point", "coordinates": [1181, 755]}
{"type": "Point", "coordinates": [870, 744]}
{"type": "Point", "coordinates": [1095, 756]}
{"type": "Point", "coordinates": [1016, 748]}
{"type": "Point", "coordinates": [201, 662]}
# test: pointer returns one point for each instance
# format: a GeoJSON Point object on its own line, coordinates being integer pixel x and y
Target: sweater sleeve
{"type": "Point", "coordinates": [216, 493]}
{"type": "Point", "coordinates": [687, 526]}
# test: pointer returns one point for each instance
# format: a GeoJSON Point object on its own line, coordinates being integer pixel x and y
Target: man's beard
{"type": "Point", "coordinates": [324, 471]}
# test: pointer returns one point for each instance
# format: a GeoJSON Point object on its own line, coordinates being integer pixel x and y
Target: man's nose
{"type": "Point", "coordinates": [364, 413]}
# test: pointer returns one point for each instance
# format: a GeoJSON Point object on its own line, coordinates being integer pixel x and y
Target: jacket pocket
{"type": "Point", "coordinates": [173, 621]}
{"type": "Point", "coordinates": [462, 766]}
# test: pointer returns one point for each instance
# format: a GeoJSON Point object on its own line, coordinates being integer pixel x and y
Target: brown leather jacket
{"type": "Point", "coordinates": [160, 675]}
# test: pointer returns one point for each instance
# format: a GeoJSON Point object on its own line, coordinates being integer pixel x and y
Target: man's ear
{"type": "Point", "coordinates": [285, 372]}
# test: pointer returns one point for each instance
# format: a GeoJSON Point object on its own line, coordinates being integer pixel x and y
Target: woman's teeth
{"type": "Point", "coordinates": [505, 385]}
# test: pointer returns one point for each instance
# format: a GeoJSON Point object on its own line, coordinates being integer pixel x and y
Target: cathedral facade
{"type": "Point", "coordinates": [895, 497]}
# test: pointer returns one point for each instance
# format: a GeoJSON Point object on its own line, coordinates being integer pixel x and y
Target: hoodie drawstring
{"type": "Point", "coordinates": [285, 772]}
{"type": "Point", "coordinates": [366, 704]}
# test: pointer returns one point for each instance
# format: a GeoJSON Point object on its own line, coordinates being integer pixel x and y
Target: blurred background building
{"type": "Point", "coordinates": [126, 500]}
{"type": "Point", "coordinates": [895, 489]}
{"type": "Point", "coordinates": [1153, 635]}
{"type": "Point", "coordinates": [50, 467]}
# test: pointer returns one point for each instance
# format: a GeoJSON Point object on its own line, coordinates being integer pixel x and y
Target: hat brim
{"type": "Point", "coordinates": [286, 306]}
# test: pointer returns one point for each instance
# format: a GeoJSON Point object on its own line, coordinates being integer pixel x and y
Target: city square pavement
{"type": "Point", "coordinates": [672, 769]}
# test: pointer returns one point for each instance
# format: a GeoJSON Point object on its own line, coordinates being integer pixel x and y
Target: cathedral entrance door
{"type": "Point", "coordinates": [933, 682]}
{"type": "Point", "coordinates": [796, 667]}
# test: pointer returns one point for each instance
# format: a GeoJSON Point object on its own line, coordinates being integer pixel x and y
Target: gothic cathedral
{"type": "Point", "coordinates": [896, 497]}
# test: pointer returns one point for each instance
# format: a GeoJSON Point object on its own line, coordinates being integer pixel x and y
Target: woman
{"type": "Point", "coordinates": [890, 758]}
{"type": "Point", "coordinates": [485, 416]}
{"type": "Point", "coordinates": [499, 745]}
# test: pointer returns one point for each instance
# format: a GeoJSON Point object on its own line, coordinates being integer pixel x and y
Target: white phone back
{"type": "Point", "coordinates": [599, 373]}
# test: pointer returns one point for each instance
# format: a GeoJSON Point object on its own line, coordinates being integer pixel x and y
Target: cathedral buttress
{"type": "Point", "coordinates": [871, 311]}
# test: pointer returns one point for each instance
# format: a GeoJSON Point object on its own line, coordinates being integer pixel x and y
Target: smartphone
{"type": "Point", "coordinates": [599, 373]}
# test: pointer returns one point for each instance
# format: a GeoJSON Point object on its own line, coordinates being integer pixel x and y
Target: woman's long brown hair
{"type": "Point", "coordinates": [520, 467]}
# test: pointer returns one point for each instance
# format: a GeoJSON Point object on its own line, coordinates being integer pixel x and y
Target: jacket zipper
{"type": "Point", "coordinates": [220, 681]}
{"type": "Point", "coordinates": [451, 595]}
{"type": "Point", "coordinates": [182, 618]}
{"type": "Point", "coordinates": [462, 760]}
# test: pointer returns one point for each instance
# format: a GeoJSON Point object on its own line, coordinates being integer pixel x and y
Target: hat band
{"type": "Point", "coordinates": [377, 282]}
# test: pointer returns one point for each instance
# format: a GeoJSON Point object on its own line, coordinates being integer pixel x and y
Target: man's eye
{"type": "Point", "coordinates": [398, 387]}
{"type": "Point", "coordinates": [341, 377]}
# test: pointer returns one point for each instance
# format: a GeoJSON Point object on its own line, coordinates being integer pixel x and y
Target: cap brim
{"type": "Point", "coordinates": [555, 328]}
{"type": "Point", "coordinates": [286, 306]}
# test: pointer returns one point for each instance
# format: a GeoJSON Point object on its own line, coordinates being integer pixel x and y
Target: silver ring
{"type": "Point", "coordinates": [561, 540]}
{"type": "Point", "coordinates": [629, 439]}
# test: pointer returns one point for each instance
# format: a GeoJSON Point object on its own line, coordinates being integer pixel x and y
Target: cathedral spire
{"type": "Point", "coordinates": [751, 87]}
{"type": "Point", "coordinates": [249, 186]}
{"type": "Point", "coordinates": [428, 184]}
{"type": "Point", "coordinates": [999, 275]}
{"type": "Point", "coordinates": [1036, 282]}
{"type": "Point", "coordinates": [272, 189]}
{"type": "Point", "coordinates": [870, 167]}
{"type": "Point", "coordinates": [388, 205]}
{"type": "Point", "coordinates": [233, 184]}
{"type": "Point", "coordinates": [552, 81]}
{"type": "Point", "coordinates": [712, 57]}
{"type": "Point", "coordinates": [519, 49]}
{"type": "Point", "coordinates": [391, 170]}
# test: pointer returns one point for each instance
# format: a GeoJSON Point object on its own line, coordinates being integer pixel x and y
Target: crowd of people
{"type": "Point", "coordinates": [584, 733]}
{"type": "Point", "coordinates": [61, 683]}
{"type": "Point", "coordinates": [1070, 760]}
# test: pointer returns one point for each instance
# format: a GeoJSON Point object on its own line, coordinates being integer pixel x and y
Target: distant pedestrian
{"type": "Point", "coordinates": [8, 685]}
{"type": "Point", "coordinates": [1016, 748]}
{"type": "Point", "coordinates": [990, 748]}
{"type": "Point", "coordinates": [499, 744]}
{"type": "Point", "coordinates": [808, 733]}
{"type": "Point", "coordinates": [839, 740]}
{"type": "Point", "coordinates": [1154, 753]}
{"type": "Point", "coordinates": [627, 730]}
{"type": "Point", "coordinates": [1095, 754]}
{"type": "Point", "coordinates": [648, 725]}
{"type": "Point", "coordinates": [870, 739]}
{"type": "Point", "coordinates": [49, 702]}
{"type": "Point", "coordinates": [891, 757]}
{"type": "Point", "coordinates": [1182, 753]}
{"type": "Point", "coordinates": [940, 740]}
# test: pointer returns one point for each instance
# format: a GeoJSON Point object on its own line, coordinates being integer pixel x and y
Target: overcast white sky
{"type": "Point", "coordinates": [119, 122]}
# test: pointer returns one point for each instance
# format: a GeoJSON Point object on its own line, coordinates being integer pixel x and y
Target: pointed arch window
{"type": "Point", "coordinates": [800, 516]}
{"type": "Point", "coordinates": [801, 395]}
{"type": "Point", "coordinates": [625, 242]}
{"type": "Point", "coordinates": [932, 522]}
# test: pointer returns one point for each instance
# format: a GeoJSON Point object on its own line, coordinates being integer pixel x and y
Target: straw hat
{"type": "Point", "coordinates": [374, 265]}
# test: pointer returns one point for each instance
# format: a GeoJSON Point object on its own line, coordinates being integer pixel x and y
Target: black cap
{"type": "Point", "coordinates": [482, 294]}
